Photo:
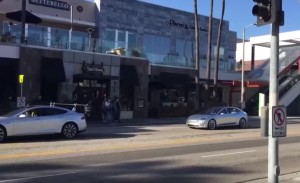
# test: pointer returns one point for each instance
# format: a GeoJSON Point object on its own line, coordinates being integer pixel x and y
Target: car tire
{"type": "Point", "coordinates": [242, 123]}
{"type": "Point", "coordinates": [211, 124]}
{"type": "Point", "coordinates": [69, 130]}
{"type": "Point", "coordinates": [2, 134]}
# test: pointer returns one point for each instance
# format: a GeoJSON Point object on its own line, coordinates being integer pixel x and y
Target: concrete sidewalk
{"type": "Point", "coordinates": [288, 178]}
{"type": "Point", "coordinates": [148, 121]}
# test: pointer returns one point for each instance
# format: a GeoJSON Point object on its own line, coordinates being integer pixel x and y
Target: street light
{"type": "Point", "coordinates": [243, 68]}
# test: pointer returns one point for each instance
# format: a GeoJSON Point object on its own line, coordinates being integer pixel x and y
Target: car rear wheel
{"type": "Point", "coordinates": [211, 125]}
{"type": "Point", "coordinates": [242, 123]}
{"type": "Point", "coordinates": [2, 134]}
{"type": "Point", "coordinates": [69, 130]}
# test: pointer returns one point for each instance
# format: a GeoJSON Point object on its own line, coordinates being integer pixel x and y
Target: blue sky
{"type": "Point", "coordinates": [238, 13]}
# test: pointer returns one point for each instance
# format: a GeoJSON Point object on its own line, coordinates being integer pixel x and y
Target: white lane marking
{"type": "Point", "coordinates": [36, 177]}
{"type": "Point", "coordinates": [226, 154]}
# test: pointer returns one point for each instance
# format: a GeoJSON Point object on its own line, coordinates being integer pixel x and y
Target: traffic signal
{"type": "Point", "coordinates": [266, 11]}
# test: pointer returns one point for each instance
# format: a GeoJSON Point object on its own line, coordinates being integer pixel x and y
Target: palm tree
{"type": "Point", "coordinates": [208, 60]}
{"type": "Point", "coordinates": [197, 56]}
{"type": "Point", "coordinates": [218, 50]}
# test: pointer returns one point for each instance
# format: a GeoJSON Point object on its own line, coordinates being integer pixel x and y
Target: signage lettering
{"type": "Point", "coordinates": [93, 68]}
{"type": "Point", "coordinates": [174, 23]}
{"type": "Point", "coordinates": [51, 4]}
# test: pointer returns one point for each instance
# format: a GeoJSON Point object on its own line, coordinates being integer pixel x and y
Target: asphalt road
{"type": "Point", "coordinates": [152, 153]}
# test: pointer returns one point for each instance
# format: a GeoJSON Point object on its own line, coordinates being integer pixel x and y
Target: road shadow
{"type": "Point", "coordinates": [223, 128]}
{"type": "Point", "coordinates": [90, 134]}
{"type": "Point", "coordinates": [158, 171]}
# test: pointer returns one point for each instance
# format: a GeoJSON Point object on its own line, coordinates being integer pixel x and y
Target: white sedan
{"type": "Point", "coordinates": [218, 116]}
{"type": "Point", "coordinates": [38, 120]}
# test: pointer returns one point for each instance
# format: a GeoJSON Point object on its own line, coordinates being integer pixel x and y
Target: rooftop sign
{"type": "Point", "coordinates": [51, 4]}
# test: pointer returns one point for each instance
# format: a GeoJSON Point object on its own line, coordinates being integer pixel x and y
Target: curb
{"type": "Point", "coordinates": [147, 121]}
{"type": "Point", "coordinates": [290, 178]}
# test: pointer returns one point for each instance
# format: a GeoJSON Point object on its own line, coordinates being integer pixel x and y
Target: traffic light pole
{"type": "Point", "coordinates": [273, 164]}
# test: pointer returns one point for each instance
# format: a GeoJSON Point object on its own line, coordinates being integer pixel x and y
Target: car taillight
{"type": "Point", "coordinates": [83, 117]}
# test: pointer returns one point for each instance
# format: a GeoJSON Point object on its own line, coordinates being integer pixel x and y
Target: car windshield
{"type": "Point", "coordinates": [213, 110]}
{"type": "Point", "coordinates": [14, 112]}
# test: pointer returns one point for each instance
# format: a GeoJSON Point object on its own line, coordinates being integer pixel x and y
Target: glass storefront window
{"type": "Point", "coordinates": [110, 35]}
{"type": "Point", "coordinates": [185, 51]}
{"type": "Point", "coordinates": [109, 42]}
{"type": "Point", "coordinates": [37, 35]}
{"type": "Point", "coordinates": [11, 32]}
{"type": "Point", "coordinates": [157, 48]}
{"type": "Point", "coordinates": [59, 38]}
{"type": "Point", "coordinates": [172, 96]}
{"type": "Point", "coordinates": [78, 40]}
{"type": "Point", "coordinates": [119, 39]}
{"type": "Point", "coordinates": [131, 42]}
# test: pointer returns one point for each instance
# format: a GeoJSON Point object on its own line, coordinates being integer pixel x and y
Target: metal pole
{"type": "Point", "coordinates": [23, 19]}
{"type": "Point", "coordinates": [243, 69]}
{"type": "Point", "coordinates": [21, 90]}
{"type": "Point", "coordinates": [273, 164]}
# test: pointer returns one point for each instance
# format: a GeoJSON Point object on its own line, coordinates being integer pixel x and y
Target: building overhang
{"type": "Point", "coordinates": [286, 39]}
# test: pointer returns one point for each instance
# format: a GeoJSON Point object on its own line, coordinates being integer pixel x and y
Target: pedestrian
{"type": "Point", "coordinates": [103, 109]}
{"type": "Point", "coordinates": [109, 111]}
{"type": "Point", "coordinates": [116, 109]}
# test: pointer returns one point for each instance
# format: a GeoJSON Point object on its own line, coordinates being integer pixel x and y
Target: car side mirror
{"type": "Point", "coordinates": [22, 116]}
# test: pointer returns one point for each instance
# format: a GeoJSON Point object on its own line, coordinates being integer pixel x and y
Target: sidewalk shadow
{"type": "Point", "coordinates": [91, 134]}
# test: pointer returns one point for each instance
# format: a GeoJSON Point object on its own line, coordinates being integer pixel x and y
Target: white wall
{"type": "Point", "coordinates": [261, 53]}
{"type": "Point", "coordinates": [7, 51]}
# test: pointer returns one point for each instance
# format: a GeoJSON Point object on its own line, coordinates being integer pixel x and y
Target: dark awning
{"type": "Point", "coordinates": [52, 70]}
{"type": "Point", "coordinates": [88, 76]}
{"type": "Point", "coordinates": [30, 17]}
{"type": "Point", "coordinates": [128, 75]}
{"type": "Point", "coordinates": [170, 80]}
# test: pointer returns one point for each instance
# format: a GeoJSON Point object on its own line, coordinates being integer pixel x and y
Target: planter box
{"type": "Point", "coordinates": [126, 115]}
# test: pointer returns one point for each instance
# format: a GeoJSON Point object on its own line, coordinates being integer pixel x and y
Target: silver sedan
{"type": "Point", "coordinates": [218, 116]}
{"type": "Point", "coordinates": [38, 120]}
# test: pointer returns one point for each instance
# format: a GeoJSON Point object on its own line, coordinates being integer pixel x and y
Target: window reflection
{"type": "Point", "coordinates": [11, 32]}
{"type": "Point", "coordinates": [37, 35]}
{"type": "Point", "coordinates": [119, 39]}
{"type": "Point", "coordinates": [59, 38]}
{"type": "Point", "coordinates": [157, 49]}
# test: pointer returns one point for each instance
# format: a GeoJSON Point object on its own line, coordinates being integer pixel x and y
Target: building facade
{"type": "Point", "coordinates": [257, 71]}
{"type": "Point", "coordinates": [68, 57]}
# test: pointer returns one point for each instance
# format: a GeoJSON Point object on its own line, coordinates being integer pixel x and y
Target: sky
{"type": "Point", "coordinates": [238, 13]}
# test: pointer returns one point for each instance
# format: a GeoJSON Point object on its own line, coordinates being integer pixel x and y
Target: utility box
{"type": "Point", "coordinates": [264, 121]}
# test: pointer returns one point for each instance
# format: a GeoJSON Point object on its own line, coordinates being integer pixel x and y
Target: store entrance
{"type": "Point", "coordinates": [8, 80]}
{"type": "Point", "coordinates": [91, 92]}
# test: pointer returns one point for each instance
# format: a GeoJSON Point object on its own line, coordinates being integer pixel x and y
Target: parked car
{"type": "Point", "coordinates": [38, 120]}
{"type": "Point", "coordinates": [217, 117]}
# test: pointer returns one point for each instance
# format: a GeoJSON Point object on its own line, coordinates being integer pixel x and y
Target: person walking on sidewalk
{"type": "Point", "coordinates": [108, 111]}
{"type": "Point", "coordinates": [116, 109]}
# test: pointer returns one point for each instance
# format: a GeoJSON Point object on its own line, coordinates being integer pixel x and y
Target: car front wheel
{"type": "Point", "coordinates": [211, 125]}
{"type": "Point", "coordinates": [69, 130]}
{"type": "Point", "coordinates": [2, 134]}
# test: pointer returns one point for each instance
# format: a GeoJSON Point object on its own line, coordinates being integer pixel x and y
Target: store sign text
{"type": "Point", "coordinates": [51, 4]}
{"type": "Point", "coordinates": [174, 23]}
{"type": "Point", "coordinates": [93, 68]}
